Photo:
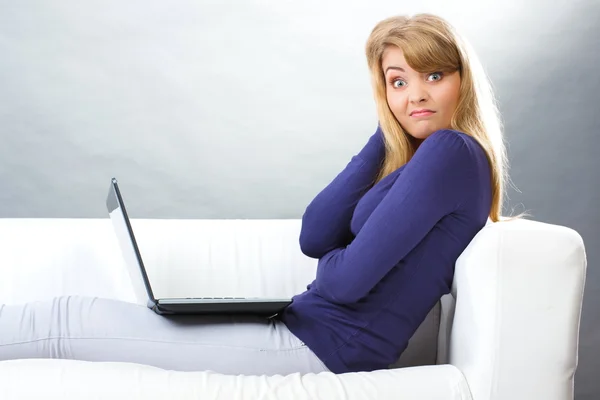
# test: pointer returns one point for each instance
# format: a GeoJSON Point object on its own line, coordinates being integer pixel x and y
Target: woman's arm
{"type": "Point", "coordinates": [433, 184]}
{"type": "Point", "coordinates": [326, 221]}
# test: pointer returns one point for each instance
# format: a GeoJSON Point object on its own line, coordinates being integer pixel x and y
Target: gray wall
{"type": "Point", "coordinates": [247, 109]}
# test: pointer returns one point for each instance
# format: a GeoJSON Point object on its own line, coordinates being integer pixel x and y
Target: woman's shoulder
{"type": "Point", "coordinates": [450, 143]}
{"type": "Point", "coordinates": [449, 136]}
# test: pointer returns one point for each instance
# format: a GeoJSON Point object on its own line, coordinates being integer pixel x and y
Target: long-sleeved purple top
{"type": "Point", "coordinates": [386, 252]}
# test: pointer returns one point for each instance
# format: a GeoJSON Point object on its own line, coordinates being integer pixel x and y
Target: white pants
{"type": "Point", "coordinates": [95, 329]}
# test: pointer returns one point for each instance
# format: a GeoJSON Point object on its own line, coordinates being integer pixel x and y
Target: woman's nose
{"type": "Point", "coordinates": [417, 94]}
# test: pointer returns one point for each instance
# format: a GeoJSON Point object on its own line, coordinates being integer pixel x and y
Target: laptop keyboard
{"type": "Point", "coordinates": [216, 298]}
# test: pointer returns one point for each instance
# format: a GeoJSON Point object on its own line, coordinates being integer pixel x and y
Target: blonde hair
{"type": "Point", "coordinates": [431, 44]}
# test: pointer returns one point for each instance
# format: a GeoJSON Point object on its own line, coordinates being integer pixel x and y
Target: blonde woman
{"type": "Point", "coordinates": [386, 231]}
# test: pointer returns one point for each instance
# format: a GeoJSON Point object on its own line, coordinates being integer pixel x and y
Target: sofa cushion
{"type": "Point", "coordinates": [68, 379]}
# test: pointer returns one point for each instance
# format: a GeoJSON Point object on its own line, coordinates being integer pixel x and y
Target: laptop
{"type": "Point", "coordinates": [143, 289]}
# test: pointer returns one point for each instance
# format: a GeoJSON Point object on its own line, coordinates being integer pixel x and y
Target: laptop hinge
{"type": "Point", "coordinates": [151, 304]}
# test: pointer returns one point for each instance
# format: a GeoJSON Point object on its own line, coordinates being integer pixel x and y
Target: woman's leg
{"type": "Point", "coordinates": [94, 329]}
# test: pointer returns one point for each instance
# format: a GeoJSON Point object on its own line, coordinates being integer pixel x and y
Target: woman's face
{"type": "Point", "coordinates": [409, 91]}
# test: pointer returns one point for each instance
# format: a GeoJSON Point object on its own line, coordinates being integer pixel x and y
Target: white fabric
{"type": "Point", "coordinates": [512, 332]}
{"type": "Point", "coordinates": [184, 258]}
{"type": "Point", "coordinates": [70, 380]}
{"type": "Point", "coordinates": [519, 288]}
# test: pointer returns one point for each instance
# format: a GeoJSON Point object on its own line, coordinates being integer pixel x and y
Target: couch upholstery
{"type": "Point", "coordinates": [508, 330]}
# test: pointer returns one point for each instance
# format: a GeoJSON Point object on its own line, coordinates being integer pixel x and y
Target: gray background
{"type": "Point", "coordinates": [247, 109]}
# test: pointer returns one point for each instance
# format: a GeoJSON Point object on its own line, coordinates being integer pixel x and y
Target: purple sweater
{"type": "Point", "coordinates": [387, 251]}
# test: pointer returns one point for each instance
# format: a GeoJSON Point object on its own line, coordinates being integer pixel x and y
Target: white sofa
{"type": "Point", "coordinates": [508, 331]}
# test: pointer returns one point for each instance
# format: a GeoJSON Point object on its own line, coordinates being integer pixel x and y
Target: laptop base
{"type": "Point", "coordinates": [206, 307]}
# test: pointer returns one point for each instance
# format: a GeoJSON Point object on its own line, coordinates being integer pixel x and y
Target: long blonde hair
{"type": "Point", "coordinates": [431, 44]}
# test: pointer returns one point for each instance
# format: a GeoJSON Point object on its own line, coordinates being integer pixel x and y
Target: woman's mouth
{"type": "Point", "coordinates": [421, 113]}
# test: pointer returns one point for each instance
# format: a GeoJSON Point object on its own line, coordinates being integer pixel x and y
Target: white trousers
{"type": "Point", "coordinates": [96, 329]}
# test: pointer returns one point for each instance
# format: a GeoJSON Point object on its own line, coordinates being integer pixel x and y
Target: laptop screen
{"type": "Point", "coordinates": [128, 244]}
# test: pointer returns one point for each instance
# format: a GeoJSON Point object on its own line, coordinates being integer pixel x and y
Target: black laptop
{"type": "Point", "coordinates": [141, 284]}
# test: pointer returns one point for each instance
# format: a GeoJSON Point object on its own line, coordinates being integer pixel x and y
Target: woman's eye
{"type": "Point", "coordinates": [396, 83]}
{"type": "Point", "coordinates": [438, 75]}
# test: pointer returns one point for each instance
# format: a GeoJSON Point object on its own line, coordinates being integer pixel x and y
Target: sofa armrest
{"type": "Point", "coordinates": [518, 289]}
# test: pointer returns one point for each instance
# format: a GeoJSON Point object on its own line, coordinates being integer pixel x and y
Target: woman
{"type": "Point", "coordinates": [387, 232]}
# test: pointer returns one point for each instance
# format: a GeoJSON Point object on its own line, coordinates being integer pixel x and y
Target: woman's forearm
{"type": "Point", "coordinates": [326, 221]}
